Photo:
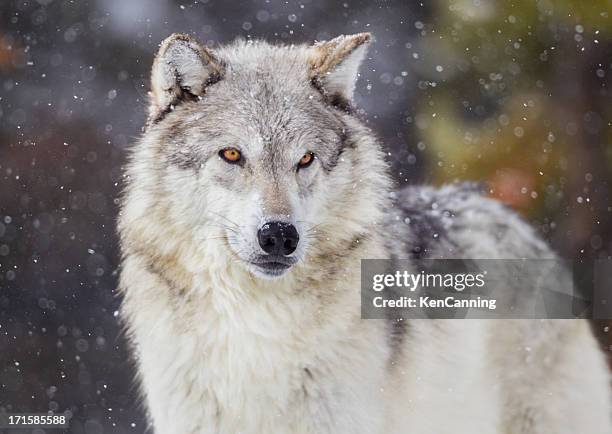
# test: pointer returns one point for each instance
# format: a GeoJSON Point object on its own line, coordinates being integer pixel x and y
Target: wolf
{"type": "Point", "coordinates": [249, 200]}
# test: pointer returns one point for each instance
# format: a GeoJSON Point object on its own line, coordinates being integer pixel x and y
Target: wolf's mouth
{"type": "Point", "coordinates": [272, 265]}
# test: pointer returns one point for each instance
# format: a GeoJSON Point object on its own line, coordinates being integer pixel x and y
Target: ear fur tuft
{"type": "Point", "coordinates": [335, 63]}
{"type": "Point", "coordinates": [181, 70]}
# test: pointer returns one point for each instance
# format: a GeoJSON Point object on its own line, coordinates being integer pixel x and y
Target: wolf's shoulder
{"type": "Point", "coordinates": [458, 220]}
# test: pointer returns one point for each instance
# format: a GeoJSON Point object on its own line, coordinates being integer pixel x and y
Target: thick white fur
{"type": "Point", "coordinates": [222, 351]}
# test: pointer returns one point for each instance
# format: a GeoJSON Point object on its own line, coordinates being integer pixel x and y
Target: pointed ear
{"type": "Point", "coordinates": [181, 71]}
{"type": "Point", "coordinates": [335, 63]}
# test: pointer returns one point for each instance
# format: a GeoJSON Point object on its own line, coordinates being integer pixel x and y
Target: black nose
{"type": "Point", "coordinates": [278, 238]}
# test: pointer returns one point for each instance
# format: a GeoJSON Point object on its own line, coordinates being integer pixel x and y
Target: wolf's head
{"type": "Point", "coordinates": [253, 151]}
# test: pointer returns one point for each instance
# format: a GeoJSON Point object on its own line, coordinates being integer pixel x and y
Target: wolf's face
{"type": "Point", "coordinates": [254, 139]}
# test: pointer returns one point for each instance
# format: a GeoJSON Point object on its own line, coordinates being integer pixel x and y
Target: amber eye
{"type": "Point", "coordinates": [231, 155]}
{"type": "Point", "coordinates": [306, 160]}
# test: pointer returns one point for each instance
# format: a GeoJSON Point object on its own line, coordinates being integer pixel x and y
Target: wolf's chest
{"type": "Point", "coordinates": [235, 378]}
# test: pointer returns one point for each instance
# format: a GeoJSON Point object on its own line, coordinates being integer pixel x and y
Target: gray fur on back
{"type": "Point", "coordinates": [457, 221]}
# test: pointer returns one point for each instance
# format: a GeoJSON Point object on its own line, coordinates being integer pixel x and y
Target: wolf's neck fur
{"type": "Point", "coordinates": [239, 344]}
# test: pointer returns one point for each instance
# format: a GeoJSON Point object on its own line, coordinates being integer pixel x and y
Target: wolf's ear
{"type": "Point", "coordinates": [181, 71]}
{"type": "Point", "coordinates": [335, 63]}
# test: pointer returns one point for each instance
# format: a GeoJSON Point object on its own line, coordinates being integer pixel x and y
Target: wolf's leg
{"type": "Point", "coordinates": [561, 385]}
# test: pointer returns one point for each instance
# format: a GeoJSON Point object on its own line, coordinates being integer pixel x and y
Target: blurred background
{"type": "Point", "coordinates": [513, 93]}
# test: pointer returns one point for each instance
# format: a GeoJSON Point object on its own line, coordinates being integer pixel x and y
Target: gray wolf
{"type": "Point", "coordinates": [250, 199]}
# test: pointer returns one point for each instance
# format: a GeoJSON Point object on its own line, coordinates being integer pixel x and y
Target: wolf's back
{"type": "Point", "coordinates": [458, 221]}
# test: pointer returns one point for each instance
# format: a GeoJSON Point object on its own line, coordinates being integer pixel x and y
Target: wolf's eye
{"type": "Point", "coordinates": [231, 155]}
{"type": "Point", "coordinates": [306, 160]}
